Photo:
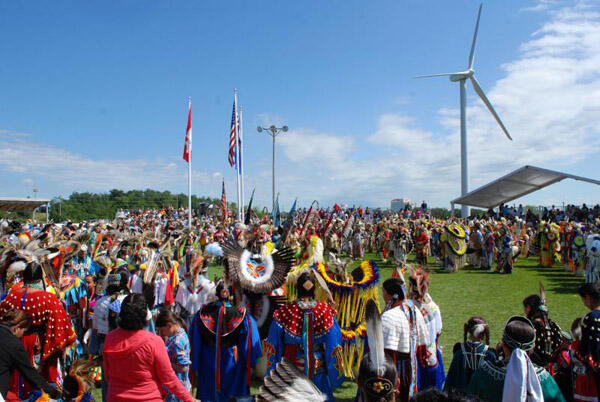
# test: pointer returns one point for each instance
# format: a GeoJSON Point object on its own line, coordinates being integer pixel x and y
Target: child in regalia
{"type": "Point", "coordinates": [469, 354]}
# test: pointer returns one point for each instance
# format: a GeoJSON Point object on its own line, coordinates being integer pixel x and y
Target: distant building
{"type": "Point", "coordinates": [398, 204]}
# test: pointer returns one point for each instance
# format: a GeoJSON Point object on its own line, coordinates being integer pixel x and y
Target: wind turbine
{"type": "Point", "coordinates": [462, 77]}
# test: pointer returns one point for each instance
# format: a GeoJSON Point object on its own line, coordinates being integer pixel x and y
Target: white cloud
{"type": "Point", "coordinates": [541, 5]}
{"type": "Point", "coordinates": [58, 167]}
{"type": "Point", "coordinates": [302, 145]}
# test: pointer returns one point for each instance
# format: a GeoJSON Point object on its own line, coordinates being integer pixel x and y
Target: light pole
{"type": "Point", "coordinates": [273, 132]}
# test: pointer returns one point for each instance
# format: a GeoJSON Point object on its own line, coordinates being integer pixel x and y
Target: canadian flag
{"type": "Point", "coordinates": [187, 149]}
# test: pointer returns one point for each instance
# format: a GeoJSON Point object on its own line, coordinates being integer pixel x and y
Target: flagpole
{"type": "Point", "coordinates": [241, 153]}
{"type": "Point", "coordinates": [237, 156]}
{"type": "Point", "coordinates": [190, 172]}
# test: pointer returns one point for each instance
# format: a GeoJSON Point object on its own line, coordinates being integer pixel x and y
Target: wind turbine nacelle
{"type": "Point", "coordinates": [461, 76]}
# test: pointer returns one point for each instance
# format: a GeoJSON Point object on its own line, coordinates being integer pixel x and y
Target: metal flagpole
{"type": "Point", "coordinates": [237, 156]}
{"type": "Point", "coordinates": [241, 160]}
{"type": "Point", "coordinates": [190, 172]}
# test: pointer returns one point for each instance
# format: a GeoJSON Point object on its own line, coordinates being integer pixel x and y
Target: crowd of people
{"type": "Point", "coordinates": [127, 305]}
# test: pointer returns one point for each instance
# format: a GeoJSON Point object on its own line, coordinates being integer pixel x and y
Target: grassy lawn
{"type": "Point", "coordinates": [493, 296]}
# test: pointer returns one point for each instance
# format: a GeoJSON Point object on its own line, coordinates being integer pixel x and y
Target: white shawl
{"type": "Point", "coordinates": [521, 383]}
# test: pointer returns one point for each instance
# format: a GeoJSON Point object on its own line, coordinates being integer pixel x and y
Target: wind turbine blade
{"type": "Point", "coordinates": [434, 75]}
{"type": "Point", "coordinates": [485, 100]}
{"type": "Point", "coordinates": [472, 55]}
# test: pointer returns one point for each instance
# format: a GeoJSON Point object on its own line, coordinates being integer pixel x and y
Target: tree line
{"type": "Point", "coordinates": [86, 206]}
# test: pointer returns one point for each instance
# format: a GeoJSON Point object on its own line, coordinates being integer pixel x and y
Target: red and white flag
{"type": "Point", "coordinates": [187, 149]}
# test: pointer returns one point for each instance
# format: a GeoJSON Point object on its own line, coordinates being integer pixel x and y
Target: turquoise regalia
{"type": "Point", "coordinates": [488, 382]}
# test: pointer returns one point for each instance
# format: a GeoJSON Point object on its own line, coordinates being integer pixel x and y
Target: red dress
{"type": "Point", "coordinates": [51, 328]}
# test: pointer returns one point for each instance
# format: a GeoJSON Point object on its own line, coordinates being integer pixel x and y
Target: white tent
{"type": "Point", "coordinates": [23, 204]}
{"type": "Point", "coordinates": [514, 185]}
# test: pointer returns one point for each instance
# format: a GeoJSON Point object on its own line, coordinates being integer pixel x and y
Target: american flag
{"type": "Point", "coordinates": [224, 202]}
{"type": "Point", "coordinates": [233, 133]}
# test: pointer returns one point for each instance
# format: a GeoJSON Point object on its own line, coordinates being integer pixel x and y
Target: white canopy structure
{"type": "Point", "coordinates": [23, 204]}
{"type": "Point", "coordinates": [514, 185]}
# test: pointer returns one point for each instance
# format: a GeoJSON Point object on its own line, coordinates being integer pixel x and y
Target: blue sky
{"type": "Point", "coordinates": [94, 95]}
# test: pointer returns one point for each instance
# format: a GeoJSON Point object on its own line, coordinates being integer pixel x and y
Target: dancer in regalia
{"type": "Point", "coordinates": [306, 333]}
{"type": "Point", "coordinates": [592, 258]}
{"type": "Point", "coordinates": [51, 330]}
{"type": "Point", "coordinates": [469, 354]}
{"type": "Point", "coordinates": [225, 347]}
{"type": "Point", "coordinates": [548, 335]}
{"type": "Point", "coordinates": [431, 369]}
{"type": "Point", "coordinates": [577, 250]}
{"type": "Point", "coordinates": [258, 271]}
{"type": "Point", "coordinates": [515, 378]}
{"type": "Point", "coordinates": [377, 375]}
{"type": "Point", "coordinates": [421, 244]}
{"type": "Point", "coordinates": [454, 238]}
{"type": "Point", "coordinates": [404, 335]}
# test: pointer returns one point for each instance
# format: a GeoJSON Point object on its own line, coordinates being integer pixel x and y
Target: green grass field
{"type": "Point", "coordinates": [493, 296]}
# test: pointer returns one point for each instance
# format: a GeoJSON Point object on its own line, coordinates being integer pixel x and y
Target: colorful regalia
{"type": "Point", "coordinates": [548, 335]}
{"type": "Point", "coordinates": [82, 266]}
{"type": "Point", "coordinates": [549, 244]}
{"type": "Point", "coordinates": [350, 295]}
{"type": "Point", "coordinates": [258, 273]}
{"type": "Point", "coordinates": [405, 338]}
{"type": "Point", "coordinates": [431, 367]}
{"type": "Point", "coordinates": [488, 382]}
{"type": "Point", "coordinates": [192, 295]}
{"type": "Point", "coordinates": [592, 265]}
{"type": "Point", "coordinates": [467, 356]}
{"type": "Point", "coordinates": [52, 331]}
{"type": "Point", "coordinates": [225, 346]}
{"type": "Point", "coordinates": [454, 238]}
{"type": "Point", "coordinates": [313, 255]}
{"type": "Point", "coordinates": [515, 377]}
{"type": "Point", "coordinates": [307, 333]}
{"type": "Point", "coordinates": [421, 246]}
{"type": "Point", "coordinates": [507, 252]}
{"type": "Point", "coordinates": [577, 251]}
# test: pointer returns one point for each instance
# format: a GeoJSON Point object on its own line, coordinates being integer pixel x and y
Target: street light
{"type": "Point", "coordinates": [273, 132]}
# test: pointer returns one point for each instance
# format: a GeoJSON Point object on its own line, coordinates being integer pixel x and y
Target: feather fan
{"type": "Point", "coordinates": [287, 383]}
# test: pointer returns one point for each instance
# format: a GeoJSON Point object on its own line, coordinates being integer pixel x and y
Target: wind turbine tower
{"type": "Point", "coordinates": [461, 77]}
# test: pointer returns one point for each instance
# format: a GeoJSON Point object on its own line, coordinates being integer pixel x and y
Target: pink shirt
{"type": "Point", "coordinates": [136, 365]}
